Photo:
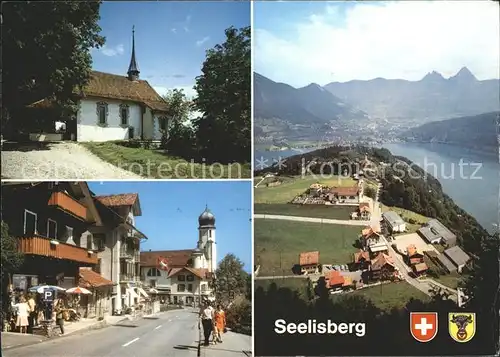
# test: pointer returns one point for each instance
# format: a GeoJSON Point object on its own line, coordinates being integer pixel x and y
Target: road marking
{"type": "Point", "coordinates": [130, 342]}
{"type": "Point", "coordinates": [157, 327]}
{"type": "Point", "coordinates": [169, 320]}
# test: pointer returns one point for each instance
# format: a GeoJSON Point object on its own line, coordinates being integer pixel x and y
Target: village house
{"type": "Point", "coordinates": [394, 222]}
{"type": "Point", "coordinates": [334, 280]}
{"type": "Point", "coordinates": [361, 260]}
{"type": "Point", "coordinates": [364, 211]}
{"type": "Point", "coordinates": [50, 221]}
{"type": "Point", "coordinates": [382, 267]}
{"type": "Point", "coordinates": [415, 260]}
{"type": "Point", "coordinates": [370, 236]}
{"type": "Point", "coordinates": [184, 276]}
{"type": "Point", "coordinates": [346, 195]}
{"type": "Point", "coordinates": [435, 232]}
{"type": "Point", "coordinates": [413, 256]}
{"type": "Point", "coordinates": [115, 107]}
{"type": "Point", "coordinates": [309, 262]}
{"type": "Point", "coordinates": [457, 256]}
{"type": "Point", "coordinates": [118, 245]}
{"type": "Point", "coordinates": [441, 261]}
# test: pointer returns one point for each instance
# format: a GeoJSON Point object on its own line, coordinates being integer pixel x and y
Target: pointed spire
{"type": "Point", "coordinates": [133, 70]}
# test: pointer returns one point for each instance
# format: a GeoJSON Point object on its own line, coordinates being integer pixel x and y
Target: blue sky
{"type": "Point", "coordinates": [170, 211]}
{"type": "Point", "coordinates": [170, 38]}
{"type": "Point", "coordinates": [304, 42]}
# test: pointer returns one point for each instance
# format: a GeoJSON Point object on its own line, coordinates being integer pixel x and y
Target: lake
{"type": "Point", "coordinates": [471, 179]}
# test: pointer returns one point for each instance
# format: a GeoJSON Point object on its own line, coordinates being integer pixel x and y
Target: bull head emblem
{"type": "Point", "coordinates": [461, 321]}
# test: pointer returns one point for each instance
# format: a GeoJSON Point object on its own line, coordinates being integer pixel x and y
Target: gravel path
{"type": "Point", "coordinates": [59, 161]}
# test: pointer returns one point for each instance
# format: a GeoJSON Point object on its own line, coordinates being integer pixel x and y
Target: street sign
{"type": "Point", "coordinates": [48, 295]}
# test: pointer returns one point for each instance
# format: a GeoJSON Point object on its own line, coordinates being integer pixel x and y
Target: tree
{"type": "Point", "coordinates": [230, 281]}
{"type": "Point", "coordinates": [12, 259]}
{"type": "Point", "coordinates": [224, 132]}
{"type": "Point", "coordinates": [370, 192]}
{"type": "Point", "coordinates": [46, 54]}
{"type": "Point", "coordinates": [178, 138]}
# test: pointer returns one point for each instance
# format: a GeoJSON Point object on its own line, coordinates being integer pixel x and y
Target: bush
{"type": "Point", "coordinates": [239, 317]}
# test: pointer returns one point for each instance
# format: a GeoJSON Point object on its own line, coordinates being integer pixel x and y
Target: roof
{"type": "Point", "coordinates": [107, 85]}
{"type": "Point", "coordinates": [412, 250]}
{"type": "Point", "coordinates": [367, 232]}
{"type": "Point", "coordinates": [334, 278]}
{"type": "Point", "coordinates": [439, 230]}
{"type": "Point", "coordinates": [428, 234]}
{"type": "Point", "coordinates": [91, 279]}
{"type": "Point", "coordinates": [345, 191]}
{"type": "Point", "coordinates": [122, 199]}
{"type": "Point", "coordinates": [175, 258]}
{"type": "Point", "coordinates": [446, 262]}
{"type": "Point", "coordinates": [420, 267]}
{"type": "Point", "coordinates": [113, 86]}
{"type": "Point", "coordinates": [200, 273]}
{"type": "Point", "coordinates": [364, 206]}
{"type": "Point", "coordinates": [361, 255]}
{"type": "Point", "coordinates": [457, 255]}
{"type": "Point", "coordinates": [381, 260]}
{"type": "Point", "coordinates": [393, 218]}
{"type": "Point", "coordinates": [309, 258]}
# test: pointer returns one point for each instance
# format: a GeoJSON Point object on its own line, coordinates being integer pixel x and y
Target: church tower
{"type": "Point", "coordinates": [206, 240]}
{"type": "Point", "coordinates": [133, 70]}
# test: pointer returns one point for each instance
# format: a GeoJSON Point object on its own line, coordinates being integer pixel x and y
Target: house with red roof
{"type": "Point", "coordinates": [183, 276]}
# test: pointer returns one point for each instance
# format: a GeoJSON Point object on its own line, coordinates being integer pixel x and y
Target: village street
{"type": "Point", "coordinates": [173, 333]}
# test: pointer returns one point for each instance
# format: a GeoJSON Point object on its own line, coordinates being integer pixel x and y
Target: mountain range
{"type": "Point", "coordinates": [475, 132]}
{"type": "Point", "coordinates": [365, 106]}
{"type": "Point", "coordinates": [431, 98]}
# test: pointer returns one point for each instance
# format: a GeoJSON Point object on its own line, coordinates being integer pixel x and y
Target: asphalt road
{"type": "Point", "coordinates": [173, 333]}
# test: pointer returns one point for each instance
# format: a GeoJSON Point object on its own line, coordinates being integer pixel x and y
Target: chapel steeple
{"type": "Point", "coordinates": [133, 70]}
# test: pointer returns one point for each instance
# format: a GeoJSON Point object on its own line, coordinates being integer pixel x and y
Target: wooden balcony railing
{"type": "Point", "coordinates": [68, 204]}
{"type": "Point", "coordinates": [38, 245]}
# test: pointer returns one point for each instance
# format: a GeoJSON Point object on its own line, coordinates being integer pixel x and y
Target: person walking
{"type": "Point", "coordinates": [59, 315]}
{"type": "Point", "coordinates": [220, 322]}
{"type": "Point", "coordinates": [33, 314]}
{"type": "Point", "coordinates": [207, 322]}
{"type": "Point", "coordinates": [22, 315]}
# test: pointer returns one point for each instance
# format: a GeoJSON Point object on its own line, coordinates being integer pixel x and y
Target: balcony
{"type": "Point", "coordinates": [127, 254]}
{"type": "Point", "coordinates": [127, 278]}
{"type": "Point", "coordinates": [38, 245]}
{"type": "Point", "coordinates": [68, 204]}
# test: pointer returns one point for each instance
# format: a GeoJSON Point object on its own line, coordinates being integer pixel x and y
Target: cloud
{"type": "Point", "coordinates": [112, 51]}
{"type": "Point", "coordinates": [392, 40]}
{"type": "Point", "coordinates": [187, 22]}
{"type": "Point", "coordinates": [202, 41]}
{"type": "Point", "coordinates": [174, 30]}
{"type": "Point", "coordinates": [188, 90]}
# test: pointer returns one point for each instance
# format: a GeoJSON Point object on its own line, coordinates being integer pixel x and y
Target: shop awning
{"type": "Point", "coordinates": [143, 293]}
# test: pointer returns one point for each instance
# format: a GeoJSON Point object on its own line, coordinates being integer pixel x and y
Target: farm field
{"type": "Point", "coordinates": [315, 211]}
{"type": "Point", "coordinates": [278, 244]}
{"type": "Point", "coordinates": [293, 186]}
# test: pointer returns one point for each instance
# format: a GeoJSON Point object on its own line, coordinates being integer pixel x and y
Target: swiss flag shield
{"type": "Point", "coordinates": [423, 325]}
{"type": "Point", "coordinates": [162, 263]}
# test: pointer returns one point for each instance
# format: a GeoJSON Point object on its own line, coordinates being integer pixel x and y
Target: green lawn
{"type": "Point", "coordinates": [387, 296]}
{"type": "Point", "coordinates": [278, 244]}
{"type": "Point", "coordinates": [316, 211]}
{"type": "Point", "coordinates": [292, 187]}
{"type": "Point", "coordinates": [157, 165]}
